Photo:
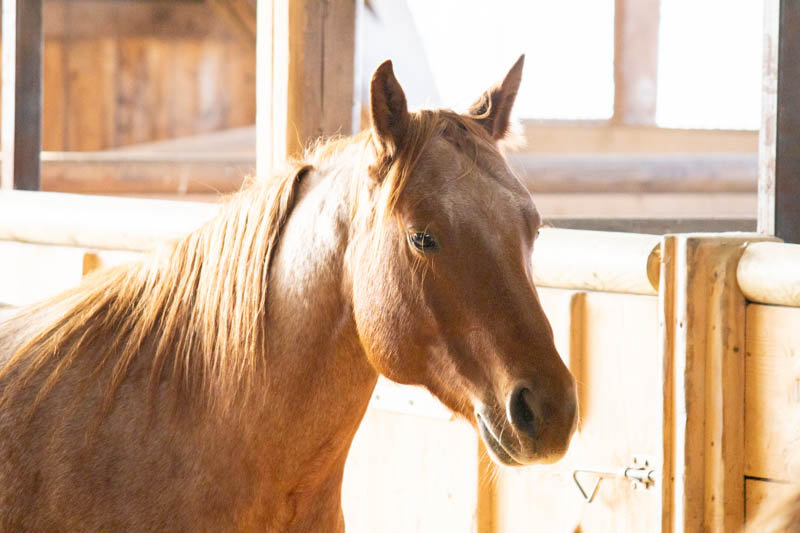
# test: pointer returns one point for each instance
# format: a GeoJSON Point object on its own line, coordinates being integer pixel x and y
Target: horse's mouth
{"type": "Point", "coordinates": [495, 446]}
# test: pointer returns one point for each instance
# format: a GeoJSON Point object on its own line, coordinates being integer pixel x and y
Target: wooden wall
{"type": "Point", "coordinates": [122, 72]}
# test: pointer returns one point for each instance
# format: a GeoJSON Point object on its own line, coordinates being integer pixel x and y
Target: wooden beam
{"type": "Point", "coordinates": [22, 93]}
{"type": "Point", "coordinates": [240, 17]}
{"type": "Point", "coordinates": [305, 76]}
{"type": "Point", "coordinates": [635, 60]}
{"type": "Point", "coordinates": [779, 166]}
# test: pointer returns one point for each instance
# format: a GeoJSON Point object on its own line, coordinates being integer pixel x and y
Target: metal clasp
{"type": "Point", "coordinates": [640, 473]}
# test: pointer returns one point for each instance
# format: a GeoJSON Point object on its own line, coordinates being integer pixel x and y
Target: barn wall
{"type": "Point", "coordinates": [118, 73]}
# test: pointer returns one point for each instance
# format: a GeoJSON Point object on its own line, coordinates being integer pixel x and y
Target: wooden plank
{"type": "Point", "coordinates": [91, 94]}
{"type": "Point", "coordinates": [603, 261]}
{"type": "Point", "coordinates": [602, 137]}
{"type": "Point", "coordinates": [641, 173]}
{"type": "Point", "coordinates": [653, 226]}
{"type": "Point", "coordinates": [635, 60]}
{"type": "Point", "coordinates": [21, 128]}
{"type": "Point", "coordinates": [768, 502]}
{"type": "Point", "coordinates": [109, 223]}
{"type": "Point", "coordinates": [139, 173]}
{"type": "Point", "coordinates": [303, 96]}
{"type": "Point", "coordinates": [162, 19]}
{"type": "Point", "coordinates": [772, 393]}
{"type": "Point", "coordinates": [769, 272]}
{"type": "Point", "coordinates": [616, 332]}
{"type": "Point", "coordinates": [704, 341]}
{"type": "Point", "coordinates": [240, 80]}
{"type": "Point", "coordinates": [184, 89]}
{"type": "Point", "coordinates": [779, 177]}
{"type": "Point", "coordinates": [407, 473]}
{"type": "Point", "coordinates": [240, 18]}
{"type": "Point", "coordinates": [134, 123]}
{"type": "Point", "coordinates": [54, 106]}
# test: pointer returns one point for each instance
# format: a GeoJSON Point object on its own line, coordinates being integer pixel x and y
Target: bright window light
{"type": "Point", "coordinates": [709, 65]}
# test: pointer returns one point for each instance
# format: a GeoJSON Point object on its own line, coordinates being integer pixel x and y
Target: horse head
{"type": "Point", "coordinates": [439, 263]}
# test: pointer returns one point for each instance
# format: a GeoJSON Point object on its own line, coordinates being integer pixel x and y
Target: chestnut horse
{"type": "Point", "coordinates": [217, 385]}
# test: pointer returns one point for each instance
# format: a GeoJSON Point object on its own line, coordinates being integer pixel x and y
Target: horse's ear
{"type": "Point", "coordinates": [388, 109]}
{"type": "Point", "coordinates": [493, 109]}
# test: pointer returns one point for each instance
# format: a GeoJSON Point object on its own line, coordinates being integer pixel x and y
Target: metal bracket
{"type": "Point", "coordinates": [640, 473]}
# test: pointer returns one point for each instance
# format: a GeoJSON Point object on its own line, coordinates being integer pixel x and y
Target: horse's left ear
{"type": "Point", "coordinates": [493, 109]}
{"type": "Point", "coordinates": [388, 109]}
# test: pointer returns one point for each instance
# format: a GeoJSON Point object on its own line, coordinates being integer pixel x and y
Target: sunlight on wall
{"type": "Point", "coordinates": [569, 47]}
{"type": "Point", "coordinates": [709, 68]}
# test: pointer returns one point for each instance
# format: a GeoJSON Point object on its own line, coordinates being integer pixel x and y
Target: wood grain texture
{"type": "Point", "coordinates": [604, 261]}
{"type": "Point", "coordinates": [703, 341]}
{"type": "Point", "coordinates": [772, 392]}
{"type": "Point", "coordinates": [761, 494]}
{"type": "Point", "coordinates": [306, 55]}
{"type": "Point", "coordinates": [91, 94]}
{"type": "Point", "coordinates": [769, 272]}
{"type": "Point", "coordinates": [54, 111]}
{"type": "Point", "coordinates": [617, 332]}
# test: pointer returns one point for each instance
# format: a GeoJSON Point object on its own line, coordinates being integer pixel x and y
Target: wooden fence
{"type": "Point", "coordinates": [683, 347]}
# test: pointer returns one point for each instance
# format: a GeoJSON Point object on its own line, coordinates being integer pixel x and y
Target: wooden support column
{"type": "Point", "coordinates": [635, 61]}
{"type": "Point", "coordinates": [703, 347]}
{"type": "Point", "coordinates": [779, 141]}
{"type": "Point", "coordinates": [305, 76]}
{"type": "Point", "coordinates": [22, 94]}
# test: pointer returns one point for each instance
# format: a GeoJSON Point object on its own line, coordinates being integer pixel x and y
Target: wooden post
{"type": "Point", "coordinates": [305, 53]}
{"type": "Point", "coordinates": [635, 61]}
{"type": "Point", "coordinates": [703, 347]}
{"type": "Point", "coordinates": [22, 94]}
{"type": "Point", "coordinates": [779, 156]}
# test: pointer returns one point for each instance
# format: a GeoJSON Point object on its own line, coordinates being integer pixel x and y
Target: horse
{"type": "Point", "coordinates": [217, 384]}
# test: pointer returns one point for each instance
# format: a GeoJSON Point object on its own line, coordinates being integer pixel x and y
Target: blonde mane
{"type": "Point", "coordinates": [198, 306]}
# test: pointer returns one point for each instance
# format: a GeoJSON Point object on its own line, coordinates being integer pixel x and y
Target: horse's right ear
{"type": "Point", "coordinates": [388, 109]}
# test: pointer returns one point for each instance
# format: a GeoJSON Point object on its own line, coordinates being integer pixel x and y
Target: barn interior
{"type": "Point", "coordinates": [655, 136]}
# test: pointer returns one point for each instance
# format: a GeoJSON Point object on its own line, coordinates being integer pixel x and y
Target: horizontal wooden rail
{"type": "Point", "coordinates": [618, 262]}
{"type": "Point", "coordinates": [769, 272]}
{"type": "Point", "coordinates": [144, 172]}
{"type": "Point", "coordinates": [102, 222]}
{"type": "Point", "coordinates": [637, 173]}
{"type": "Point", "coordinates": [162, 172]}
{"type": "Point", "coordinates": [597, 260]}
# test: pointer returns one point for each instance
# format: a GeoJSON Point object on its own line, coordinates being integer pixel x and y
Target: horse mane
{"type": "Point", "coordinates": [199, 305]}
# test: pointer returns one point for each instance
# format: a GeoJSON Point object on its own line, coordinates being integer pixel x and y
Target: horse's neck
{"type": "Point", "coordinates": [316, 367]}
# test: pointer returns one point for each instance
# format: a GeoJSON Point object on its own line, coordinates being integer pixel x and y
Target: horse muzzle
{"type": "Point", "coordinates": [535, 426]}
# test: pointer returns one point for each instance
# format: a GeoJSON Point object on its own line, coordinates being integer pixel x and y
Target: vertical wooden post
{"type": "Point", "coordinates": [779, 140]}
{"type": "Point", "coordinates": [635, 60]}
{"type": "Point", "coordinates": [305, 76]}
{"type": "Point", "coordinates": [702, 329]}
{"type": "Point", "coordinates": [21, 130]}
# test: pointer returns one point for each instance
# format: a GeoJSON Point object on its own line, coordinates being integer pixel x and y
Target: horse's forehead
{"type": "Point", "coordinates": [459, 182]}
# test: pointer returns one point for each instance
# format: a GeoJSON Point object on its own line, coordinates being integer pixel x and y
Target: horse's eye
{"type": "Point", "coordinates": [422, 241]}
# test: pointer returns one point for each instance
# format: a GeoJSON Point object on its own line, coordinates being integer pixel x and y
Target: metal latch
{"type": "Point", "coordinates": [640, 473]}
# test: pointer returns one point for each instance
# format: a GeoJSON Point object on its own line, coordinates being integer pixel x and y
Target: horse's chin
{"type": "Point", "coordinates": [507, 456]}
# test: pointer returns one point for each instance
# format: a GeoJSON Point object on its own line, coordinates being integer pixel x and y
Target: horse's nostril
{"type": "Point", "coordinates": [521, 411]}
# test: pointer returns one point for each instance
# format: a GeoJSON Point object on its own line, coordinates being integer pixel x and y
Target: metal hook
{"type": "Point", "coordinates": [588, 497]}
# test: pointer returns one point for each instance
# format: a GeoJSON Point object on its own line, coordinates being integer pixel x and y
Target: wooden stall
{"type": "Point", "coordinates": [682, 346]}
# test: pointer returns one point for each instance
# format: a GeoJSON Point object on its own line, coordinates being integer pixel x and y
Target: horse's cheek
{"type": "Point", "coordinates": [382, 321]}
